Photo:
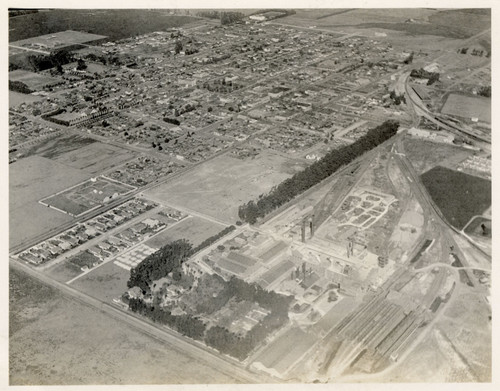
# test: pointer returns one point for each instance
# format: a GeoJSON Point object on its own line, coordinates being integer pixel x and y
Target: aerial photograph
{"type": "Point", "coordinates": [249, 196]}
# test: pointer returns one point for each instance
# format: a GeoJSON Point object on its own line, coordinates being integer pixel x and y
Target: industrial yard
{"type": "Point", "coordinates": [265, 196]}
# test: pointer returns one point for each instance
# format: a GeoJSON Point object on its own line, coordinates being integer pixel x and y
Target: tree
{"type": "Point", "coordinates": [409, 59]}
{"type": "Point", "coordinates": [81, 65]}
{"type": "Point", "coordinates": [178, 47]}
{"type": "Point", "coordinates": [485, 91]}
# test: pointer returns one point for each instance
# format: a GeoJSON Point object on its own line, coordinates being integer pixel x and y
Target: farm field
{"type": "Point", "coordinates": [356, 16]}
{"type": "Point", "coordinates": [117, 24]}
{"type": "Point", "coordinates": [31, 179]}
{"type": "Point", "coordinates": [459, 196]}
{"type": "Point", "coordinates": [95, 157]}
{"type": "Point", "coordinates": [195, 229]}
{"type": "Point", "coordinates": [218, 187]}
{"type": "Point", "coordinates": [444, 23]}
{"type": "Point", "coordinates": [468, 107]}
{"type": "Point", "coordinates": [16, 98]}
{"type": "Point", "coordinates": [55, 340]}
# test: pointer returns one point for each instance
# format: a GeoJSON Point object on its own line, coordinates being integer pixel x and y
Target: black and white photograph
{"type": "Point", "coordinates": [235, 195]}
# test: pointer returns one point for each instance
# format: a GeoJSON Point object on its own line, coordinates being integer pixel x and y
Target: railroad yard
{"type": "Point", "coordinates": [154, 145]}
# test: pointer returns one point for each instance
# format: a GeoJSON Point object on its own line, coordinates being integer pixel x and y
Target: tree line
{"type": "Point", "coordinates": [19, 86]}
{"type": "Point", "coordinates": [315, 173]}
{"type": "Point", "coordinates": [421, 73]}
{"type": "Point", "coordinates": [168, 259]}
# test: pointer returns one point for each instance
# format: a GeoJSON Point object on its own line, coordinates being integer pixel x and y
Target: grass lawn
{"type": "Point", "coordinates": [459, 196]}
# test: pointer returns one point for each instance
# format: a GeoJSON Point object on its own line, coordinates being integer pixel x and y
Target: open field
{"type": "Point", "coordinates": [64, 271]}
{"type": "Point", "coordinates": [474, 227]}
{"type": "Point", "coordinates": [459, 196]}
{"type": "Point", "coordinates": [55, 340]}
{"type": "Point", "coordinates": [445, 23]}
{"type": "Point", "coordinates": [86, 196]}
{"type": "Point", "coordinates": [23, 227]}
{"type": "Point", "coordinates": [195, 229]}
{"type": "Point", "coordinates": [425, 155]}
{"type": "Point", "coordinates": [34, 81]}
{"type": "Point", "coordinates": [31, 179]}
{"type": "Point", "coordinates": [57, 40]}
{"type": "Point", "coordinates": [355, 16]}
{"type": "Point", "coordinates": [218, 187]}
{"type": "Point", "coordinates": [95, 157]}
{"type": "Point", "coordinates": [105, 282]}
{"type": "Point", "coordinates": [468, 107]}
{"type": "Point", "coordinates": [56, 146]}
{"type": "Point", "coordinates": [16, 98]}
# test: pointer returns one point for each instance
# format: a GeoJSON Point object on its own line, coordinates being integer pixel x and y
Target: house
{"type": "Point", "coordinates": [94, 250]}
{"type": "Point", "coordinates": [82, 236]}
{"type": "Point", "coordinates": [90, 231]}
{"type": "Point", "coordinates": [151, 223]}
{"type": "Point", "coordinates": [101, 227]}
{"type": "Point", "coordinates": [70, 239]}
{"type": "Point", "coordinates": [44, 254]}
{"type": "Point", "coordinates": [54, 250]}
{"type": "Point", "coordinates": [118, 219]}
{"type": "Point", "coordinates": [64, 246]}
{"type": "Point", "coordinates": [114, 241]}
{"type": "Point", "coordinates": [103, 245]}
{"type": "Point", "coordinates": [139, 227]}
{"type": "Point", "coordinates": [31, 258]}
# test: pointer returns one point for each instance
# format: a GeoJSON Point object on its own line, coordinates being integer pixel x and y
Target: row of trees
{"type": "Point", "coordinates": [213, 239]}
{"type": "Point", "coordinates": [231, 17]}
{"type": "Point", "coordinates": [19, 86]}
{"type": "Point", "coordinates": [168, 259]}
{"type": "Point", "coordinates": [172, 121]}
{"type": "Point", "coordinates": [315, 173]}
